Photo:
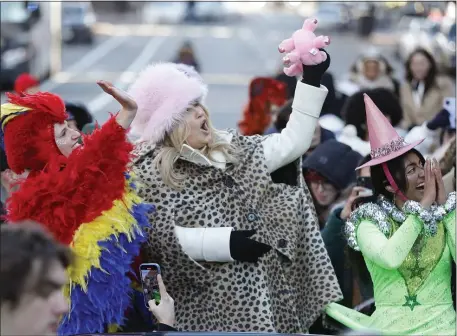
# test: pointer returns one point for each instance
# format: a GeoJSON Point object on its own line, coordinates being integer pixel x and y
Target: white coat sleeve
{"type": "Point", "coordinates": [205, 244]}
{"type": "Point", "coordinates": [294, 140]}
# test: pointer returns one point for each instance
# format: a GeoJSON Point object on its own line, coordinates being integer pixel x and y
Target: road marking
{"type": "Point", "coordinates": [88, 60]}
{"type": "Point", "coordinates": [127, 77]}
{"type": "Point", "coordinates": [220, 32]}
{"type": "Point", "coordinates": [143, 59]}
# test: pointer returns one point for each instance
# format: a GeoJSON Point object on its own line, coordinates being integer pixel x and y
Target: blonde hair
{"type": "Point", "coordinates": [171, 150]}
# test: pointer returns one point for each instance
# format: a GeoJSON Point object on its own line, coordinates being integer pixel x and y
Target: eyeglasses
{"type": "Point", "coordinates": [326, 186]}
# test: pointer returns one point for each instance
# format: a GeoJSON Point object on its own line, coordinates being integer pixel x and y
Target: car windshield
{"type": "Point", "coordinates": [13, 12]}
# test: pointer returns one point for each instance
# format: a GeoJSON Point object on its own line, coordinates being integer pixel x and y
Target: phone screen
{"type": "Point", "coordinates": [149, 282]}
{"type": "Point", "coordinates": [364, 181]}
{"type": "Point", "coordinates": [449, 105]}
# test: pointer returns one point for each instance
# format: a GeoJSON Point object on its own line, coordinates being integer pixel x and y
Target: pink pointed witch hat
{"type": "Point", "coordinates": [385, 142]}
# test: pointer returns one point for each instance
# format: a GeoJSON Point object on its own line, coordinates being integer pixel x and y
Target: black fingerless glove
{"type": "Point", "coordinates": [441, 120]}
{"type": "Point", "coordinates": [242, 248]}
{"type": "Point", "coordinates": [312, 74]}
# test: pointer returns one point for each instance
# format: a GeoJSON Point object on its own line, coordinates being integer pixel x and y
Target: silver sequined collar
{"type": "Point", "coordinates": [391, 210]}
{"type": "Point", "coordinates": [380, 213]}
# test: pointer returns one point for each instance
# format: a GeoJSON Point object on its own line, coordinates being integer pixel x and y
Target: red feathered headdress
{"type": "Point", "coordinates": [24, 82]}
{"type": "Point", "coordinates": [29, 134]}
{"type": "Point", "coordinates": [263, 92]}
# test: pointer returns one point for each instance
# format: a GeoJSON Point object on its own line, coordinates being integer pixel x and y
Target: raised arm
{"type": "Point", "coordinates": [295, 139]}
{"type": "Point", "coordinates": [285, 147]}
{"type": "Point", "coordinates": [98, 167]}
{"type": "Point", "coordinates": [92, 178]}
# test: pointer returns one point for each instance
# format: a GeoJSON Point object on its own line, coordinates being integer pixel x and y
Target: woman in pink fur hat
{"type": "Point", "coordinates": [407, 238]}
{"type": "Point", "coordinates": [238, 252]}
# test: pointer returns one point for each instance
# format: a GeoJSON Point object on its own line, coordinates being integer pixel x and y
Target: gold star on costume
{"type": "Point", "coordinates": [416, 271]}
{"type": "Point", "coordinates": [411, 301]}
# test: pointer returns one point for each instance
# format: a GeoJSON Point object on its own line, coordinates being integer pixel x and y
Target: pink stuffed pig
{"type": "Point", "coordinates": [303, 48]}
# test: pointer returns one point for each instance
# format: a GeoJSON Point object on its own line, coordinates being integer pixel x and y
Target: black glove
{"type": "Point", "coordinates": [312, 74]}
{"type": "Point", "coordinates": [242, 248]}
{"type": "Point", "coordinates": [441, 120]}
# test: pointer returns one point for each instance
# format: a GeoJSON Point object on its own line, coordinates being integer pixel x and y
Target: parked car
{"type": "Point", "coordinates": [25, 40]}
{"type": "Point", "coordinates": [332, 16]}
{"type": "Point", "coordinates": [78, 19]}
{"type": "Point", "coordinates": [164, 12]}
{"type": "Point", "coordinates": [211, 11]}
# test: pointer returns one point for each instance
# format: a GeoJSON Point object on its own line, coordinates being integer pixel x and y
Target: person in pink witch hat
{"type": "Point", "coordinates": [406, 237]}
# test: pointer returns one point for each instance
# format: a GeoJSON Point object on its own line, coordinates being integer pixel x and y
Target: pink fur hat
{"type": "Point", "coordinates": [163, 92]}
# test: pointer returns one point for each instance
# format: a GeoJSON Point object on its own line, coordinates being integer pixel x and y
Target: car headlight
{"type": "Point", "coordinates": [13, 57]}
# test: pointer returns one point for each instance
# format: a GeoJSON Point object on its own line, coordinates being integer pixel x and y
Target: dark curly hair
{"type": "Point", "coordinates": [430, 79]}
{"type": "Point", "coordinates": [353, 111]}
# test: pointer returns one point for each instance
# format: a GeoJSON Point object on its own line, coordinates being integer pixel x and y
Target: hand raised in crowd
{"type": "Point", "coordinates": [429, 186]}
{"type": "Point", "coordinates": [440, 190]}
{"type": "Point", "coordinates": [129, 106]}
{"type": "Point", "coordinates": [346, 212]}
{"type": "Point", "coordinates": [164, 312]}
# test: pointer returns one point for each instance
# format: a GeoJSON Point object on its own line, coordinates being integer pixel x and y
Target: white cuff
{"type": "Point", "coordinates": [309, 99]}
{"type": "Point", "coordinates": [205, 244]}
{"type": "Point", "coordinates": [216, 244]}
{"type": "Point", "coordinates": [295, 139]}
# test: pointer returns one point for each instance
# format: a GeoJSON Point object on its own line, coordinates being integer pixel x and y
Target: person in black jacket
{"type": "Point", "coordinates": [328, 171]}
{"type": "Point", "coordinates": [350, 269]}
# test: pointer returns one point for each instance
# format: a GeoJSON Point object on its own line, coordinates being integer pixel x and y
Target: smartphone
{"type": "Point", "coordinates": [449, 105]}
{"type": "Point", "coordinates": [365, 182]}
{"type": "Point", "coordinates": [149, 283]}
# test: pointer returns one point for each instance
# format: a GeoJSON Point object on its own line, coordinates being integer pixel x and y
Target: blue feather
{"type": "Point", "coordinates": [2, 139]}
{"type": "Point", "coordinates": [109, 293]}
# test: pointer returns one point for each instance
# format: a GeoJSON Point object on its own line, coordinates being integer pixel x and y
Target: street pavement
{"type": "Point", "coordinates": [230, 55]}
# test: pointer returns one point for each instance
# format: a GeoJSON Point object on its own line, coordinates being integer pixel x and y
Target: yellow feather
{"type": "Point", "coordinates": [8, 111]}
{"type": "Point", "coordinates": [85, 246]}
{"type": "Point", "coordinates": [112, 328]}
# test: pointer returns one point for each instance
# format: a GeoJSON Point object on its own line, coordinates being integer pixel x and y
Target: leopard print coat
{"type": "Point", "coordinates": [284, 292]}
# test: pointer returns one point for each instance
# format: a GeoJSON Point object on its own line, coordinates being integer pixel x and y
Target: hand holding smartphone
{"type": "Point", "coordinates": [365, 182]}
{"type": "Point", "coordinates": [151, 290]}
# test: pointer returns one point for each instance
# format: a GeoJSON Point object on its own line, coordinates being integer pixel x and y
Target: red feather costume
{"type": "Point", "coordinates": [263, 93]}
{"type": "Point", "coordinates": [67, 194]}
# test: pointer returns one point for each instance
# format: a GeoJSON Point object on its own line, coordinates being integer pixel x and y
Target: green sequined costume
{"type": "Point", "coordinates": [411, 271]}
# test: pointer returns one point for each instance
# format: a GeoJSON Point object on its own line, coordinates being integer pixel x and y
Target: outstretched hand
{"type": "Point", "coordinates": [129, 106]}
